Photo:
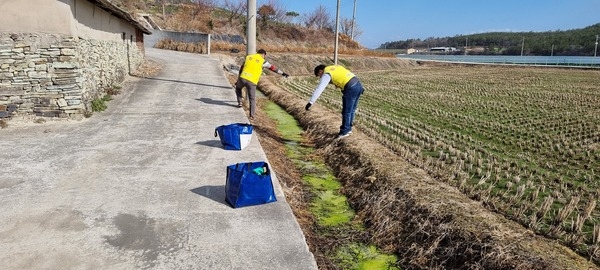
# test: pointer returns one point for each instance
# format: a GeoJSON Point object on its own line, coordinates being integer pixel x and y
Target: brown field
{"type": "Point", "coordinates": [521, 142]}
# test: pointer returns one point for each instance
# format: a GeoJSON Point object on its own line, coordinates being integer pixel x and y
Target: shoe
{"type": "Point", "coordinates": [339, 136]}
{"type": "Point", "coordinates": [239, 105]}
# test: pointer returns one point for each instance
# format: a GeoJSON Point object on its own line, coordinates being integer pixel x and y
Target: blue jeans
{"type": "Point", "coordinates": [350, 97]}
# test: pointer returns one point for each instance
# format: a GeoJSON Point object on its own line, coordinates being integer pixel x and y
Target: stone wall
{"type": "Point", "coordinates": [58, 76]}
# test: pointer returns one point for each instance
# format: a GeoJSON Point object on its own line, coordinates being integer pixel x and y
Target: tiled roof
{"type": "Point", "coordinates": [118, 12]}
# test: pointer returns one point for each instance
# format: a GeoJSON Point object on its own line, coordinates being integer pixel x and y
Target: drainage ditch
{"type": "Point", "coordinates": [334, 218]}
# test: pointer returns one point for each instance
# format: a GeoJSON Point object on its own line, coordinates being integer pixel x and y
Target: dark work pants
{"type": "Point", "coordinates": [250, 89]}
{"type": "Point", "coordinates": [350, 97]}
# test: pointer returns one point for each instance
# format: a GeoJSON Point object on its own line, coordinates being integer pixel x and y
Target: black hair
{"type": "Point", "coordinates": [319, 68]}
{"type": "Point", "coordinates": [261, 51]}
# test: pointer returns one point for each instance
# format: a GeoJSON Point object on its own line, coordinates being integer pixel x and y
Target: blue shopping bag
{"type": "Point", "coordinates": [249, 184]}
{"type": "Point", "coordinates": [234, 136]}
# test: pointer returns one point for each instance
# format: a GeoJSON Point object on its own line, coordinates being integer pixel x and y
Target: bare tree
{"type": "Point", "coordinates": [318, 18]}
{"type": "Point", "coordinates": [266, 13]}
{"type": "Point", "coordinates": [346, 28]}
{"type": "Point", "coordinates": [279, 9]}
{"type": "Point", "coordinates": [236, 8]}
{"type": "Point", "coordinates": [204, 4]}
{"type": "Point", "coordinates": [201, 6]}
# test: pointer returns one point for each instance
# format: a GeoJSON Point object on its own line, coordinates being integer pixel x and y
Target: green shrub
{"type": "Point", "coordinates": [99, 105]}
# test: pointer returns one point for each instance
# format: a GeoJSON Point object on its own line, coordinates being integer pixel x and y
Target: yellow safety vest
{"type": "Point", "coordinates": [253, 68]}
{"type": "Point", "coordinates": [339, 75]}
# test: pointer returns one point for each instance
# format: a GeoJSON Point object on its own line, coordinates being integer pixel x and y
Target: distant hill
{"type": "Point", "coordinates": [275, 32]}
{"type": "Point", "coordinates": [576, 42]}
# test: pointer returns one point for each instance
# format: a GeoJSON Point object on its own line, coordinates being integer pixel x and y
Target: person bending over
{"type": "Point", "coordinates": [351, 90]}
{"type": "Point", "coordinates": [250, 73]}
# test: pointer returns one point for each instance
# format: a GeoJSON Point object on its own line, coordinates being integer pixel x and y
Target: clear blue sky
{"type": "Point", "coordinates": [392, 20]}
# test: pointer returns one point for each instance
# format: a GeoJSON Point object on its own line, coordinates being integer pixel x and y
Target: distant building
{"type": "Point", "coordinates": [443, 49]}
{"type": "Point", "coordinates": [411, 51]}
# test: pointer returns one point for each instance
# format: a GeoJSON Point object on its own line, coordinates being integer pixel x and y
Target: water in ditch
{"type": "Point", "coordinates": [328, 205]}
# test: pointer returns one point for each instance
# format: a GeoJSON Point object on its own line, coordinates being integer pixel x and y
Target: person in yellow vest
{"type": "Point", "coordinates": [249, 75]}
{"type": "Point", "coordinates": [351, 88]}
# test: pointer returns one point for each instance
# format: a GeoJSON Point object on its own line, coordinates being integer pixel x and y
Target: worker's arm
{"type": "Point", "coordinates": [325, 79]}
{"type": "Point", "coordinates": [273, 68]}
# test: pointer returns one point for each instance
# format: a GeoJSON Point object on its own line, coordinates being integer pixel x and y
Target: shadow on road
{"type": "Point", "coordinates": [215, 193]}
{"type": "Point", "coordinates": [211, 143]}
{"type": "Point", "coordinates": [216, 102]}
{"type": "Point", "coordinates": [178, 81]}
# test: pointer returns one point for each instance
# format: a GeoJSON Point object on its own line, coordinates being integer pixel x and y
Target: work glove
{"type": "Point", "coordinates": [285, 75]}
{"type": "Point", "coordinates": [307, 107]}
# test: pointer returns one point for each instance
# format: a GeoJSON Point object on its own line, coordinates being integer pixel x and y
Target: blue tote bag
{"type": "Point", "coordinates": [234, 136]}
{"type": "Point", "coordinates": [249, 184]}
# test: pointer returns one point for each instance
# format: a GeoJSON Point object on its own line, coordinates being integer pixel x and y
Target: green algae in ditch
{"type": "Point", "coordinates": [329, 207]}
{"type": "Point", "coordinates": [286, 124]}
{"type": "Point", "coordinates": [361, 257]}
{"type": "Point", "coordinates": [322, 182]}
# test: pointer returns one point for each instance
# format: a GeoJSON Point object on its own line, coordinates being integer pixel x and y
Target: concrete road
{"type": "Point", "coordinates": [142, 184]}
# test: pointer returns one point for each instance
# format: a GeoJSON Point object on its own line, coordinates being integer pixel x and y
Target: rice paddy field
{"type": "Point", "coordinates": [524, 141]}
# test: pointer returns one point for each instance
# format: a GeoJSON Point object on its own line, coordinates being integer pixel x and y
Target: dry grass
{"type": "Point", "coordinates": [169, 44]}
{"type": "Point", "coordinates": [221, 46]}
{"type": "Point", "coordinates": [273, 37]}
{"type": "Point", "coordinates": [148, 68]}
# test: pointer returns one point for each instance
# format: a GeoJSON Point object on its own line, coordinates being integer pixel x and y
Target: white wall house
{"type": "Point", "coordinates": [443, 49]}
{"type": "Point", "coordinates": [56, 56]}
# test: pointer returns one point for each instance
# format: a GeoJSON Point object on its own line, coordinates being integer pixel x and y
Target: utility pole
{"type": "Point", "coordinates": [596, 48]}
{"type": "Point", "coordinates": [353, 20]}
{"type": "Point", "coordinates": [251, 28]}
{"type": "Point", "coordinates": [337, 33]}
{"type": "Point", "coordinates": [522, 46]}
